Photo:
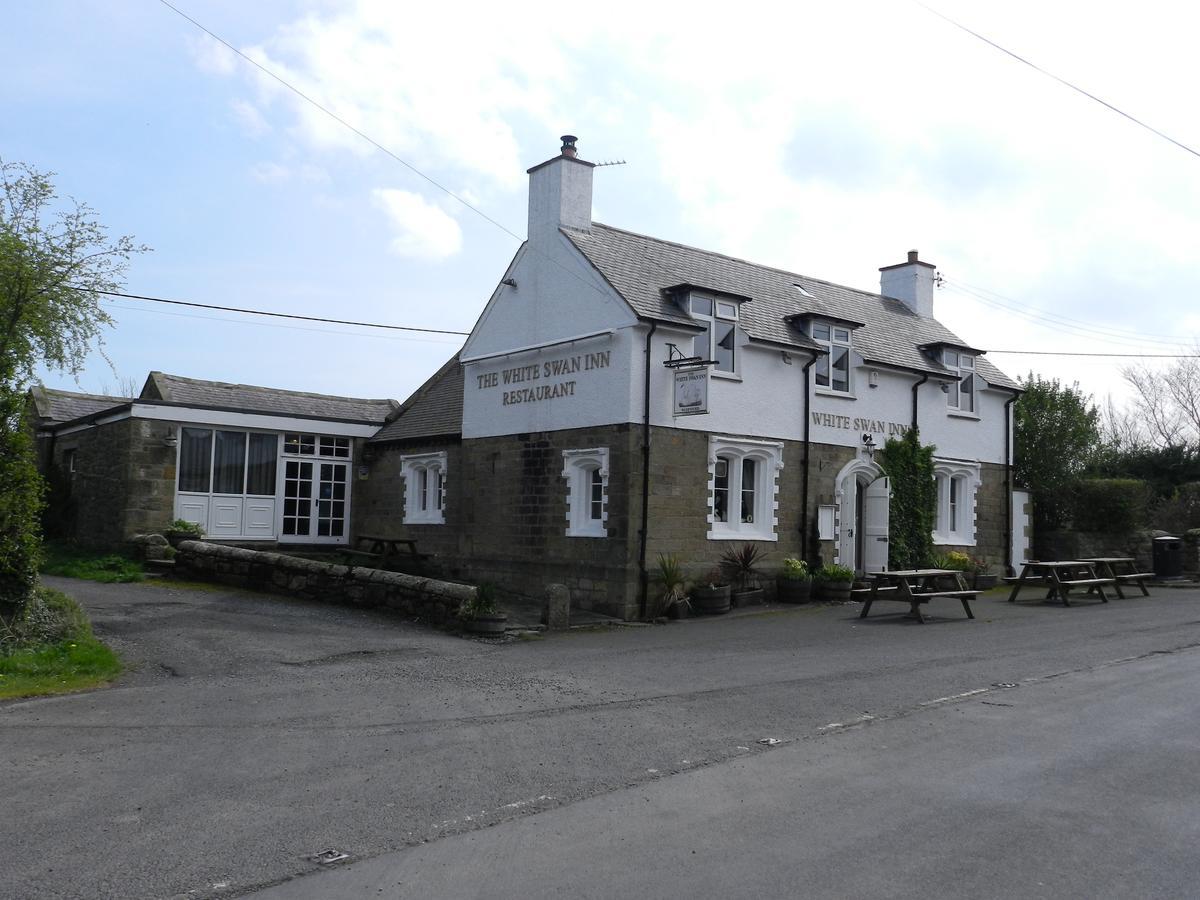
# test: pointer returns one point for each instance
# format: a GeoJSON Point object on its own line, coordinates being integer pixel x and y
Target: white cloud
{"type": "Point", "coordinates": [212, 56]}
{"type": "Point", "coordinates": [249, 117]}
{"type": "Point", "coordinates": [423, 230]}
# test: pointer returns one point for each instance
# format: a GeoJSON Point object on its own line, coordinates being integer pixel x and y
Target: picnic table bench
{"type": "Point", "coordinates": [1060, 576]}
{"type": "Point", "coordinates": [915, 587]}
{"type": "Point", "coordinates": [1121, 569]}
{"type": "Point", "coordinates": [383, 549]}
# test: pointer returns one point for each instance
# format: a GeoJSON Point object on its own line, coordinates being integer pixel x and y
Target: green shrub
{"type": "Point", "coordinates": [914, 499]}
{"type": "Point", "coordinates": [49, 617]}
{"type": "Point", "coordinates": [955, 559]}
{"type": "Point", "coordinates": [183, 526]}
{"type": "Point", "coordinates": [833, 572]}
{"type": "Point", "coordinates": [70, 562]}
{"type": "Point", "coordinates": [794, 569]}
{"type": "Point", "coordinates": [484, 603]}
{"type": "Point", "coordinates": [1179, 512]}
{"type": "Point", "coordinates": [1111, 505]}
{"type": "Point", "coordinates": [21, 492]}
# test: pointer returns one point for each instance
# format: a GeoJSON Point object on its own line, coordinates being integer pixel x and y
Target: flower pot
{"type": "Point", "coordinates": [175, 538]}
{"type": "Point", "coordinates": [747, 597]}
{"type": "Point", "coordinates": [834, 590]}
{"type": "Point", "coordinates": [711, 601]}
{"type": "Point", "coordinates": [680, 610]}
{"type": "Point", "coordinates": [985, 582]}
{"type": "Point", "coordinates": [486, 624]}
{"type": "Point", "coordinates": [793, 590]}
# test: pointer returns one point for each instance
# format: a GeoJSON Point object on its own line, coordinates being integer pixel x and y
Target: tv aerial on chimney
{"type": "Point", "coordinates": [611, 162]}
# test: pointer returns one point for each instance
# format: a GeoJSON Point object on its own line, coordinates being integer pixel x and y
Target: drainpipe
{"type": "Point", "coordinates": [924, 378]}
{"type": "Point", "coordinates": [1008, 486]}
{"type": "Point", "coordinates": [804, 470]}
{"type": "Point", "coordinates": [643, 534]}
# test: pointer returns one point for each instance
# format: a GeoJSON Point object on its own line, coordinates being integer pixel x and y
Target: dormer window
{"type": "Point", "coordinates": [961, 393]}
{"type": "Point", "coordinates": [833, 370]}
{"type": "Point", "coordinates": [719, 318]}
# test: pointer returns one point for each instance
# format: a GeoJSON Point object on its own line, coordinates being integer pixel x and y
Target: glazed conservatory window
{"type": "Point", "coordinates": [743, 489]}
{"type": "Point", "coordinates": [833, 370]}
{"type": "Point", "coordinates": [961, 393]}
{"type": "Point", "coordinates": [719, 318]}
{"type": "Point", "coordinates": [424, 488]}
{"type": "Point", "coordinates": [586, 474]}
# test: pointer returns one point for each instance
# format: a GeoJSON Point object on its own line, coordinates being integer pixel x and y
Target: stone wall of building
{"type": "Point", "coordinates": [428, 599]}
{"type": "Point", "coordinates": [150, 498]}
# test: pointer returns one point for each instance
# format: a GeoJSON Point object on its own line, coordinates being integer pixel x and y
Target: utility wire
{"type": "Point", "coordinates": [1062, 81]}
{"type": "Point", "coordinates": [366, 137]}
{"type": "Point", "coordinates": [277, 315]}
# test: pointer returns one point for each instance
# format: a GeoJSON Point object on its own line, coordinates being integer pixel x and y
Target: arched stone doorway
{"type": "Point", "coordinates": [863, 496]}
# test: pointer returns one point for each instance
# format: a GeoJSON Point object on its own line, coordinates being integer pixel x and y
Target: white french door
{"type": "Point", "coordinates": [316, 474]}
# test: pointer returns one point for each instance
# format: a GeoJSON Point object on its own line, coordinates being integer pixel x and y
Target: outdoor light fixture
{"type": "Point", "coordinates": [869, 444]}
{"type": "Point", "coordinates": [170, 439]}
{"type": "Point", "coordinates": [945, 387]}
{"type": "Point", "coordinates": [873, 378]}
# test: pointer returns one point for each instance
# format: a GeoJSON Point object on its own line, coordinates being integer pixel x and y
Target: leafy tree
{"type": "Point", "coordinates": [54, 259]}
{"type": "Point", "coordinates": [914, 500]}
{"type": "Point", "coordinates": [1056, 436]}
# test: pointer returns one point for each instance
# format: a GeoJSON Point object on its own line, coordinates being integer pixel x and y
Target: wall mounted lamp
{"type": "Point", "coordinates": [873, 378]}
{"type": "Point", "coordinates": [869, 444]}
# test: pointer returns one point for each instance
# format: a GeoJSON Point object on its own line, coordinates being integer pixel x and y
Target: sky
{"type": "Point", "coordinates": [825, 139]}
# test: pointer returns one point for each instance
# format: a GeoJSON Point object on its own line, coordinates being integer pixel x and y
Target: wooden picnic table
{"type": "Point", "coordinates": [1060, 576]}
{"type": "Point", "coordinates": [916, 587]}
{"type": "Point", "coordinates": [1121, 569]}
{"type": "Point", "coordinates": [383, 548]}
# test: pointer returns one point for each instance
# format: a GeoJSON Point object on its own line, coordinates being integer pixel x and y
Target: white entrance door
{"type": "Point", "coordinates": [875, 512]}
{"type": "Point", "coordinates": [847, 538]}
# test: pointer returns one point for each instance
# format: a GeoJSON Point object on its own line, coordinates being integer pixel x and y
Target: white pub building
{"type": "Point", "coordinates": [623, 396]}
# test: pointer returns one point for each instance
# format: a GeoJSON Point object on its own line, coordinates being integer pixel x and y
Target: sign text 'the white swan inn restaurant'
{"type": "Point", "coordinates": [622, 396]}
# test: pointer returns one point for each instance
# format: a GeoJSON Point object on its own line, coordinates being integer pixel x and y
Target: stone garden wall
{"type": "Point", "coordinates": [433, 601]}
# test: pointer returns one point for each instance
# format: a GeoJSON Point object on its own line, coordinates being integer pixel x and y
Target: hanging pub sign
{"type": "Point", "coordinates": [691, 391]}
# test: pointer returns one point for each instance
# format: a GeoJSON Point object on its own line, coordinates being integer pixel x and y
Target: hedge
{"type": "Point", "coordinates": [1111, 505]}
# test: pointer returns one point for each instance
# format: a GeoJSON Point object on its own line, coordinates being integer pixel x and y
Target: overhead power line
{"type": "Point", "coordinates": [366, 137]}
{"type": "Point", "coordinates": [276, 315]}
{"type": "Point", "coordinates": [1122, 355]}
{"type": "Point", "coordinates": [1060, 80]}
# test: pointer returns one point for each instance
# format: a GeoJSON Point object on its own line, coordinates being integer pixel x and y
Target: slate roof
{"type": "Point", "coordinates": [435, 408]}
{"type": "Point", "coordinates": [272, 401]}
{"type": "Point", "coordinates": [639, 268]}
{"type": "Point", "coordinates": [54, 406]}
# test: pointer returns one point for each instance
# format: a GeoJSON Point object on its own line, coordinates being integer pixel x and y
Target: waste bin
{"type": "Point", "coordinates": [1168, 557]}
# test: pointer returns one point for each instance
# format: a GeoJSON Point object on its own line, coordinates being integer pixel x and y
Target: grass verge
{"type": "Point", "coordinates": [51, 650]}
{"type": "Point", "coordinates": [71, 562]}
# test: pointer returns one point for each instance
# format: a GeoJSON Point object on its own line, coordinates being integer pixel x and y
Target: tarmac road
{"type": "Point", "coordinates": [256, 731]}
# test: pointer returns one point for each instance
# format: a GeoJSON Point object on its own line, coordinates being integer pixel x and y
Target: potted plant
{"type": "Point", "coordinates": [981, 575]}
{"type": "Point", "coordinates": [711, 594]}
{"type": "Point", "coordinates": [182, 530]}
{"type": "Point", "coordinates": [793, 583]}
{"type": "Point", "coordinates": [740, 565]}
{"type": "Point", "coordinates": [833, 582]}
{"type": "Point", "coordinates": [672, 599]}
{"type": "Point", "coordinates": [482, 614]}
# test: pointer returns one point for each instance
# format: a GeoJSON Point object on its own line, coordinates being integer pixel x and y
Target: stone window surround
{"type": "Point", "coordinates": [769, 456]}
{"type": "Point", "coordinates": [411, 467]}
{"type": "Point", "coordinates": [577, 468]}
{"type": "Point", "coordinates": [968, 474]}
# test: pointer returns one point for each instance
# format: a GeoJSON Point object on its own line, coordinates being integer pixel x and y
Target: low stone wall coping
{"type": "Point", "coordinates": [418, 596]}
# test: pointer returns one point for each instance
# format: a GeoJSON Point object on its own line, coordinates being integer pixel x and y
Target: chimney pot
{"type": "Point", "coordinates": [568, 145]}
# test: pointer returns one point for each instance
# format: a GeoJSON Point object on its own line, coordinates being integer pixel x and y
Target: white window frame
{"type": "Point", "coordinates": [721, 312]}
{"type": "Point", "coordinates": [954, 523]}
{"type": "Point", "coordinates": [578, 466]}
{"type": "Point", "coordinates": [768, 458]}
{"type": "Point", "coordinates": [829, 343]}
{"type": "Point", "coordinates": [963, 366]}
{"type": "Point", "coordinates": [424, 488]}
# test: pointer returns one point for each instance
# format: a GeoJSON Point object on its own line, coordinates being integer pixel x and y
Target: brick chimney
{"type": "Point", "coordinates": [911, 283]}
{"type": "Point", "coordinates": [560, 193]}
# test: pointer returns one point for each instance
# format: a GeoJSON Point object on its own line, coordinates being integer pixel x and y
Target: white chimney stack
{"type": "Point", "coordinates": [560, 193]}
{"type": "Point", "coordinates": [911, 283]}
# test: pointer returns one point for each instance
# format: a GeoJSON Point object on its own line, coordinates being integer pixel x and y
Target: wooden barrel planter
{"type": "Point", "coordinates": [834, 590]}
{"type": "Point", "coordinates": [793, 590]}
{"type": "Point", "coordinates": [749, 597]}
{"type": "Point", "coordinates": [485, 624]}
{"type": "Point", "coordinates": [711, 601]}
